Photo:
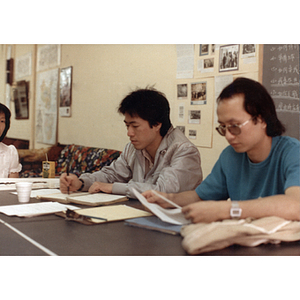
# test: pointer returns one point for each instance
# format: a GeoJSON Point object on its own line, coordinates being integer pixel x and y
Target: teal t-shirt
{"type": "Point", "coordinates": [234, 176]}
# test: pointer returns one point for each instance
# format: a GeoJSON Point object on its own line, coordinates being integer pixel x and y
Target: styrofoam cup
{"type": "Point", "coordinates": [23, 191]}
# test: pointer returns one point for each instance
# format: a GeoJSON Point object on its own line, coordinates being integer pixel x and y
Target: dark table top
{"type": "Point", "coordinates": [68, 238]}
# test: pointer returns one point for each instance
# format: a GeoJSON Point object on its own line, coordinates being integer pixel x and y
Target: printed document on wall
{"type": "Point", "coordinates": [46, 107]}
{"type": "Point", "coordinates": [220, 83]}
{"type": "Point", "coordinates": [185, 61]}
{"type": "Point", "coordinates": [23, 66]}
{"type": "Point", "coordinates": [48, 56]}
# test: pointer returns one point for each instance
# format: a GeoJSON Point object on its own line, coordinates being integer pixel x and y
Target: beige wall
{"type": "Point", "coordinates": [102, 76]}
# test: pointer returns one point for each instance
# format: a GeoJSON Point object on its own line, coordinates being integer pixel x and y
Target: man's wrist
{"type": "Point", "coordinates": [171, 197]}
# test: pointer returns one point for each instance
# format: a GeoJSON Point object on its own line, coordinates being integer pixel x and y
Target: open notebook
{"type": "Point", "coordinates": [84, 198]}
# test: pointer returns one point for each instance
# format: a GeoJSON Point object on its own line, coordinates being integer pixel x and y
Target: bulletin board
{"type": "Point", "coordinates": [194, 111]}
{"type": "Point", "coordinates": [203, 70]}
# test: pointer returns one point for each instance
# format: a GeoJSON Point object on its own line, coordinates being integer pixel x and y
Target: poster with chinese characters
{"type": "Point", "coordinates": [281, 79]}
{"type": "Point", "coordinates": [46, 107]}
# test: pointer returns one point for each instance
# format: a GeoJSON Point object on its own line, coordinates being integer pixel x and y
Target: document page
{"type": "Point", "coordinates": [112, 213]}
{"type": "Point", "coordinates": [54, 194]}
{"type": "Point", "coordinates": [37, 183]}
{"type": "Point", "coordinates": [84, 198]}
{"type": "Point", "coordinates": [95, 198]}
{"type": "Point", "coordinates": [170, 215]}
{"type": "Point", "coordinates": [42, 192]}
{"type": "Point", "coordinates": [34, 209]}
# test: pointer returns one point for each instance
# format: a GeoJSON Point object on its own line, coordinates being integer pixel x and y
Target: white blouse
{"type": "Point", "coordinates": [9, 160]}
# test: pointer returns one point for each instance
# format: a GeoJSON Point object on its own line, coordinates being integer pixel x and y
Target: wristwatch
{"type": "Point", "coordinates": [235, 210]}
{"type": "Point", "coordinates": [82, 185]}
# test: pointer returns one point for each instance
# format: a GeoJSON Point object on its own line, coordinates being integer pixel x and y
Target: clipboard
{"type": "Point", "coordinates": [103, 214]}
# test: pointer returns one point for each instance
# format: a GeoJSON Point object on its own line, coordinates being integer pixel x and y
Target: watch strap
{"type": "Point", "coordinates": [82, 185]}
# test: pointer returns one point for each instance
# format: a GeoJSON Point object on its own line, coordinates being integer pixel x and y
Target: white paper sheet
{"type": "Point", "coordinates": [185, 61]}
{"type": "Point", "coordinates": [173, 215]}
{"type": "Point", "coordinates": [40, 192]}
{"type": "Point", "coordinates": [34, 209]}
{"type": "Point", "coordinates": [38, 183]}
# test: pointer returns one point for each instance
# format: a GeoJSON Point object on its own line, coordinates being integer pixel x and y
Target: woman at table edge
{"type": "Point", "coordinates": [9, 157]}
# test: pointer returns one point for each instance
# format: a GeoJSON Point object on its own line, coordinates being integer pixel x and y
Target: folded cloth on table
{"type": "Point", "coordinates": [204, 237]}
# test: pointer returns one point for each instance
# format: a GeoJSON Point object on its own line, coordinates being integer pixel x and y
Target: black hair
{"type": "Point", "coordinates": [7, 113]}
{"type": "Point", "coordinates": [257, 103]}
{"type": "Point", "coordinates": [150, 105]}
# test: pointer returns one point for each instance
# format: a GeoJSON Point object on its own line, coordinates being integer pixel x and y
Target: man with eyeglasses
{"type": "Point", "coordinates": [259, 171]}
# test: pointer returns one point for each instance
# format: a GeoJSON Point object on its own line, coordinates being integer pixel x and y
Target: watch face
{"type": "Point", "coordinates": [235, 212]}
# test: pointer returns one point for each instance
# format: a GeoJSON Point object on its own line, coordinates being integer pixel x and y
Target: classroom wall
{"type": "Point", "coordinates": [102, 76]}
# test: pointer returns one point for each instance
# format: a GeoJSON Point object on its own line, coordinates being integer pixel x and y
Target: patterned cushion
{"type": "Point", "coordinates": [84, 159]}
{"type": "Point", "coordinates": [31, 173]}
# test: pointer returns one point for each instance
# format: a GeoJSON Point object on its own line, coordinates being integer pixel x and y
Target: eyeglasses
{"type": "Point", "coordinates": [233, 129]}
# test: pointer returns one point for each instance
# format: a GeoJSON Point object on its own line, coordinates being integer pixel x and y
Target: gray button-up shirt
{"type": "Point", "coordinates": [176, 168]}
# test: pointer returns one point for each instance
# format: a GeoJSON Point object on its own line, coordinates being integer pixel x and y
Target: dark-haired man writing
{"type": "Point", "coordinates": [158, 156]}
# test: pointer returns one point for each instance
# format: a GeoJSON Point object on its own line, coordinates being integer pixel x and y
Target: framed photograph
{"type": "Point", "coordinates": [204, 49]}
{"type": "Point", "coordinates": [198, 93]}
{"type": "Point", "coordinates": [65, 85]}
{"type": "Point", "coordinates": [192, 134]}
{"type": "Point", "coordinates": [20, 98]}
{"type": "Point", "coordinates": [208, 63]}
{"type": "Point", "coordinates": [182, 91]}
{"type": "Point", "coordinates": [194, 116]}
{"type": "Point", "coordinates": [213, 48]}
{"type": "Point", "coordinates": [229, 58]}
{"type": "Point", "coordinates": [248, 50]}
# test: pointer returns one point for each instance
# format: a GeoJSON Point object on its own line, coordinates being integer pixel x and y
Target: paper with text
{"type": "Point", "coordinates": [112, 213]}
{"type": "Point", "coordinates": [96, 198]}
{"type": "Point", "coordinates": [172, 215]}
{"type": "Point", "coordinates": [34, 209]}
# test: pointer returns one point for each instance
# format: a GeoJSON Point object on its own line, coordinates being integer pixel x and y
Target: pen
{"type": "Point", "coordinates": [68, 163]}
{"type": "Point", "coordinates": [94, 217]}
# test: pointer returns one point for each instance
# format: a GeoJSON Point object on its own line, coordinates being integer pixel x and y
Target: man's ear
{"type": "Point", "coordinates": [158, 126]}
{"type": "Point", "coordinates": [260, 120]}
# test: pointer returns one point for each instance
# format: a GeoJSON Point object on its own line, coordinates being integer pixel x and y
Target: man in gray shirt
{"type": "Point", "coordinates": [158, 156]}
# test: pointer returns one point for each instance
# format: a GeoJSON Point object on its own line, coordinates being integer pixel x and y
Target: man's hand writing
{"type": "Point", "coordinates": [70, 181]}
